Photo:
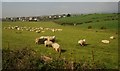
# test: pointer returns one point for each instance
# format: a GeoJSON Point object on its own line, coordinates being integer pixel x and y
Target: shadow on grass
{"type": "Point", "coordinates": [86, 44]}
{"type": "Point", "coordinates": [83, 45]}
{"type": "Point", "coordinates": [62, 50]}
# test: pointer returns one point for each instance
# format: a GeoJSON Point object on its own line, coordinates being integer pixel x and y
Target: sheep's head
{"type": "Point", "coordinates": [84, 40]}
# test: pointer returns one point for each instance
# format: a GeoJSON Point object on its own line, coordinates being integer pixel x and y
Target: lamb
{"type": "Point", "coordinates": [82, 42]}
{"type": "Point", "coordinates": [56, 46]}
{"type": "Point", "coordinates": [105, 41]}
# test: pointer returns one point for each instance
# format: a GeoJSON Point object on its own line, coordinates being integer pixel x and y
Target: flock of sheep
{"type": "Point", "coordinates": [108, 41]}
{"type": "Point", "coordinates": [82, 42]}
{"type": "Point", "coordinates": [48, 41]}
{"type": "Point", "coordinates": [32, 29]}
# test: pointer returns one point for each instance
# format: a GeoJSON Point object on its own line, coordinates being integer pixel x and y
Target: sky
{"type": "Point", "coordinates": [47, 8]}
{"type": "Point", "coordinates": [13, 9]}
{"type": "Point", "coordinates": [60, 0]}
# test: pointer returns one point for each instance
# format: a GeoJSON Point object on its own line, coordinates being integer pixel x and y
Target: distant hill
{"type": "Point", "coordinates": [91, 20]}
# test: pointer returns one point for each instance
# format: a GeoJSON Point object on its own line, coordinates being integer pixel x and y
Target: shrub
{"type": "Point", "coordinates": [80, 23]}
{"type": "Point", "coordinates": [27, 58]}
{"type": "Point", "coordinates": [20, 59]}
{"type": "Point", "coordinates": [88, 21]}
{"type": "Point", "coordinates": [113, 19]}
{"type": "Point", "coordinates": [89, 27]}
{"type": "Point", "coordinates": [97, 20]}
{"type": "Point", "coordinates": [54, 64]}
{"type": "Point", "coordinates": [103, 27]}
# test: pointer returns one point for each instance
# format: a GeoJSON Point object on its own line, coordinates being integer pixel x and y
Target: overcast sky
{"type": "Point", "coordinates": [11, 9]}
{"type": "Point", "coordinates": [60, 0]}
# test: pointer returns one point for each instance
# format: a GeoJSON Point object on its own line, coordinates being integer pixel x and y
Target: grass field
{"type": "Point", "coordinates": [104, 53]}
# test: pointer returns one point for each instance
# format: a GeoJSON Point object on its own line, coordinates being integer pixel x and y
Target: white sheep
{"type": "Point", "coordinates": [37, 40]}
{"type": "Point", "coordinates": [59, 29]}
{"type": "Point", "coordinates": [112, 37]}
{"type": "Point", "coordinates": [38, 31]}
{"type": "Point", "coordinates": [82, 42]}
{"type": "Point", "coordinates": [51, 38]}
{"type": "Point", "coordinates": [42, 31]}
{"type": "Point", "coordinates": [48, 43]}
{"type": "Point", "coordinates": [105, 41]}
{"type": "Point", "coordinates": [56, 46]}
{"type": "Point", "coordinates": [53, 30]}
{"type": "Point", "coordinates": [18, 28]}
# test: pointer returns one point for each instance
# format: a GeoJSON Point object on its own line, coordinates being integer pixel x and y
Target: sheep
{"type": "Point", "coordinates": [38, 31]}
{"type": "Point", "coordinates": [47, 28]}
{"type": "Point", "coordinates": [18, 28]}
{"type": "Point", "coordinates": [40, 40]}
{"type": "Point", "coordinates": [56, 47]}
{"type": "Point", "coordinates": [105, 41]}
{"type": "Point", "coordinates": [59, 29]}
{"type": "Point", "coordinates": [42, 31]}
{"type": "Point", "coordinates": [37, 40]}
{"type": "Point", "coordinates": [48, 43]}
{"type": "Point", "coordinates": [82, 42]}
{"type": "Point", "coordinates": [53, 30]}
{"type": "Point", "coordinates": [112, 37]}
{"type": "Point", "coordinates": [51, 38]}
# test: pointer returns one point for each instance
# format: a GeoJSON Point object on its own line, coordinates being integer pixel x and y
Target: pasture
{"type": "Point", "coordinates": [106, 54]}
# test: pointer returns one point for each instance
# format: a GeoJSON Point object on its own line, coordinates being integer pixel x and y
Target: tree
{"type": "Point", "coordinates": [68, 15]}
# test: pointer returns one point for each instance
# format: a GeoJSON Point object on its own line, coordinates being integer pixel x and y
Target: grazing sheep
{"type": "Point", "coordinates": [45, 40]}
{"type": "Point", "coordinates": [82, 42]}
{"type": "Point", "coordinates": [112, 37]}
{"type": "Point", "coordinates": [37, 40]}
{"type": "Point", "coordinates": [59, 29]}
{"type": "Point", "coordinates": [42, 31]}
{"type": "Point", "coordinates": [40, 40]}
{"type": "Point", "coordinates": [38, 31]}
{"type": "Point", "coordinates": [56, 46]}
{"type": "Point", "coordinates": [105, 41]}
{"type": "Point", "coordinates": [48, 43]}
{"type": "Point", "coordinates": [18, 28]}
{"type": "Point", "coordinates": [51, 38]}
{"type": "Point", "coordinates": [53, 30]}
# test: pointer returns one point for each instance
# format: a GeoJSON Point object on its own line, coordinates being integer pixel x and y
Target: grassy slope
{"type": "Point", "coordinates": [88, 17]}
{"type": "Point", "coordinates": [105, 53]}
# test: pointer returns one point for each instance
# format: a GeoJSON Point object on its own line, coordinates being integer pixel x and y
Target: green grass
{"type": "Point", "coordinates": [105, 53]}
{"type": "Point", "coordinates": [88, 17]}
